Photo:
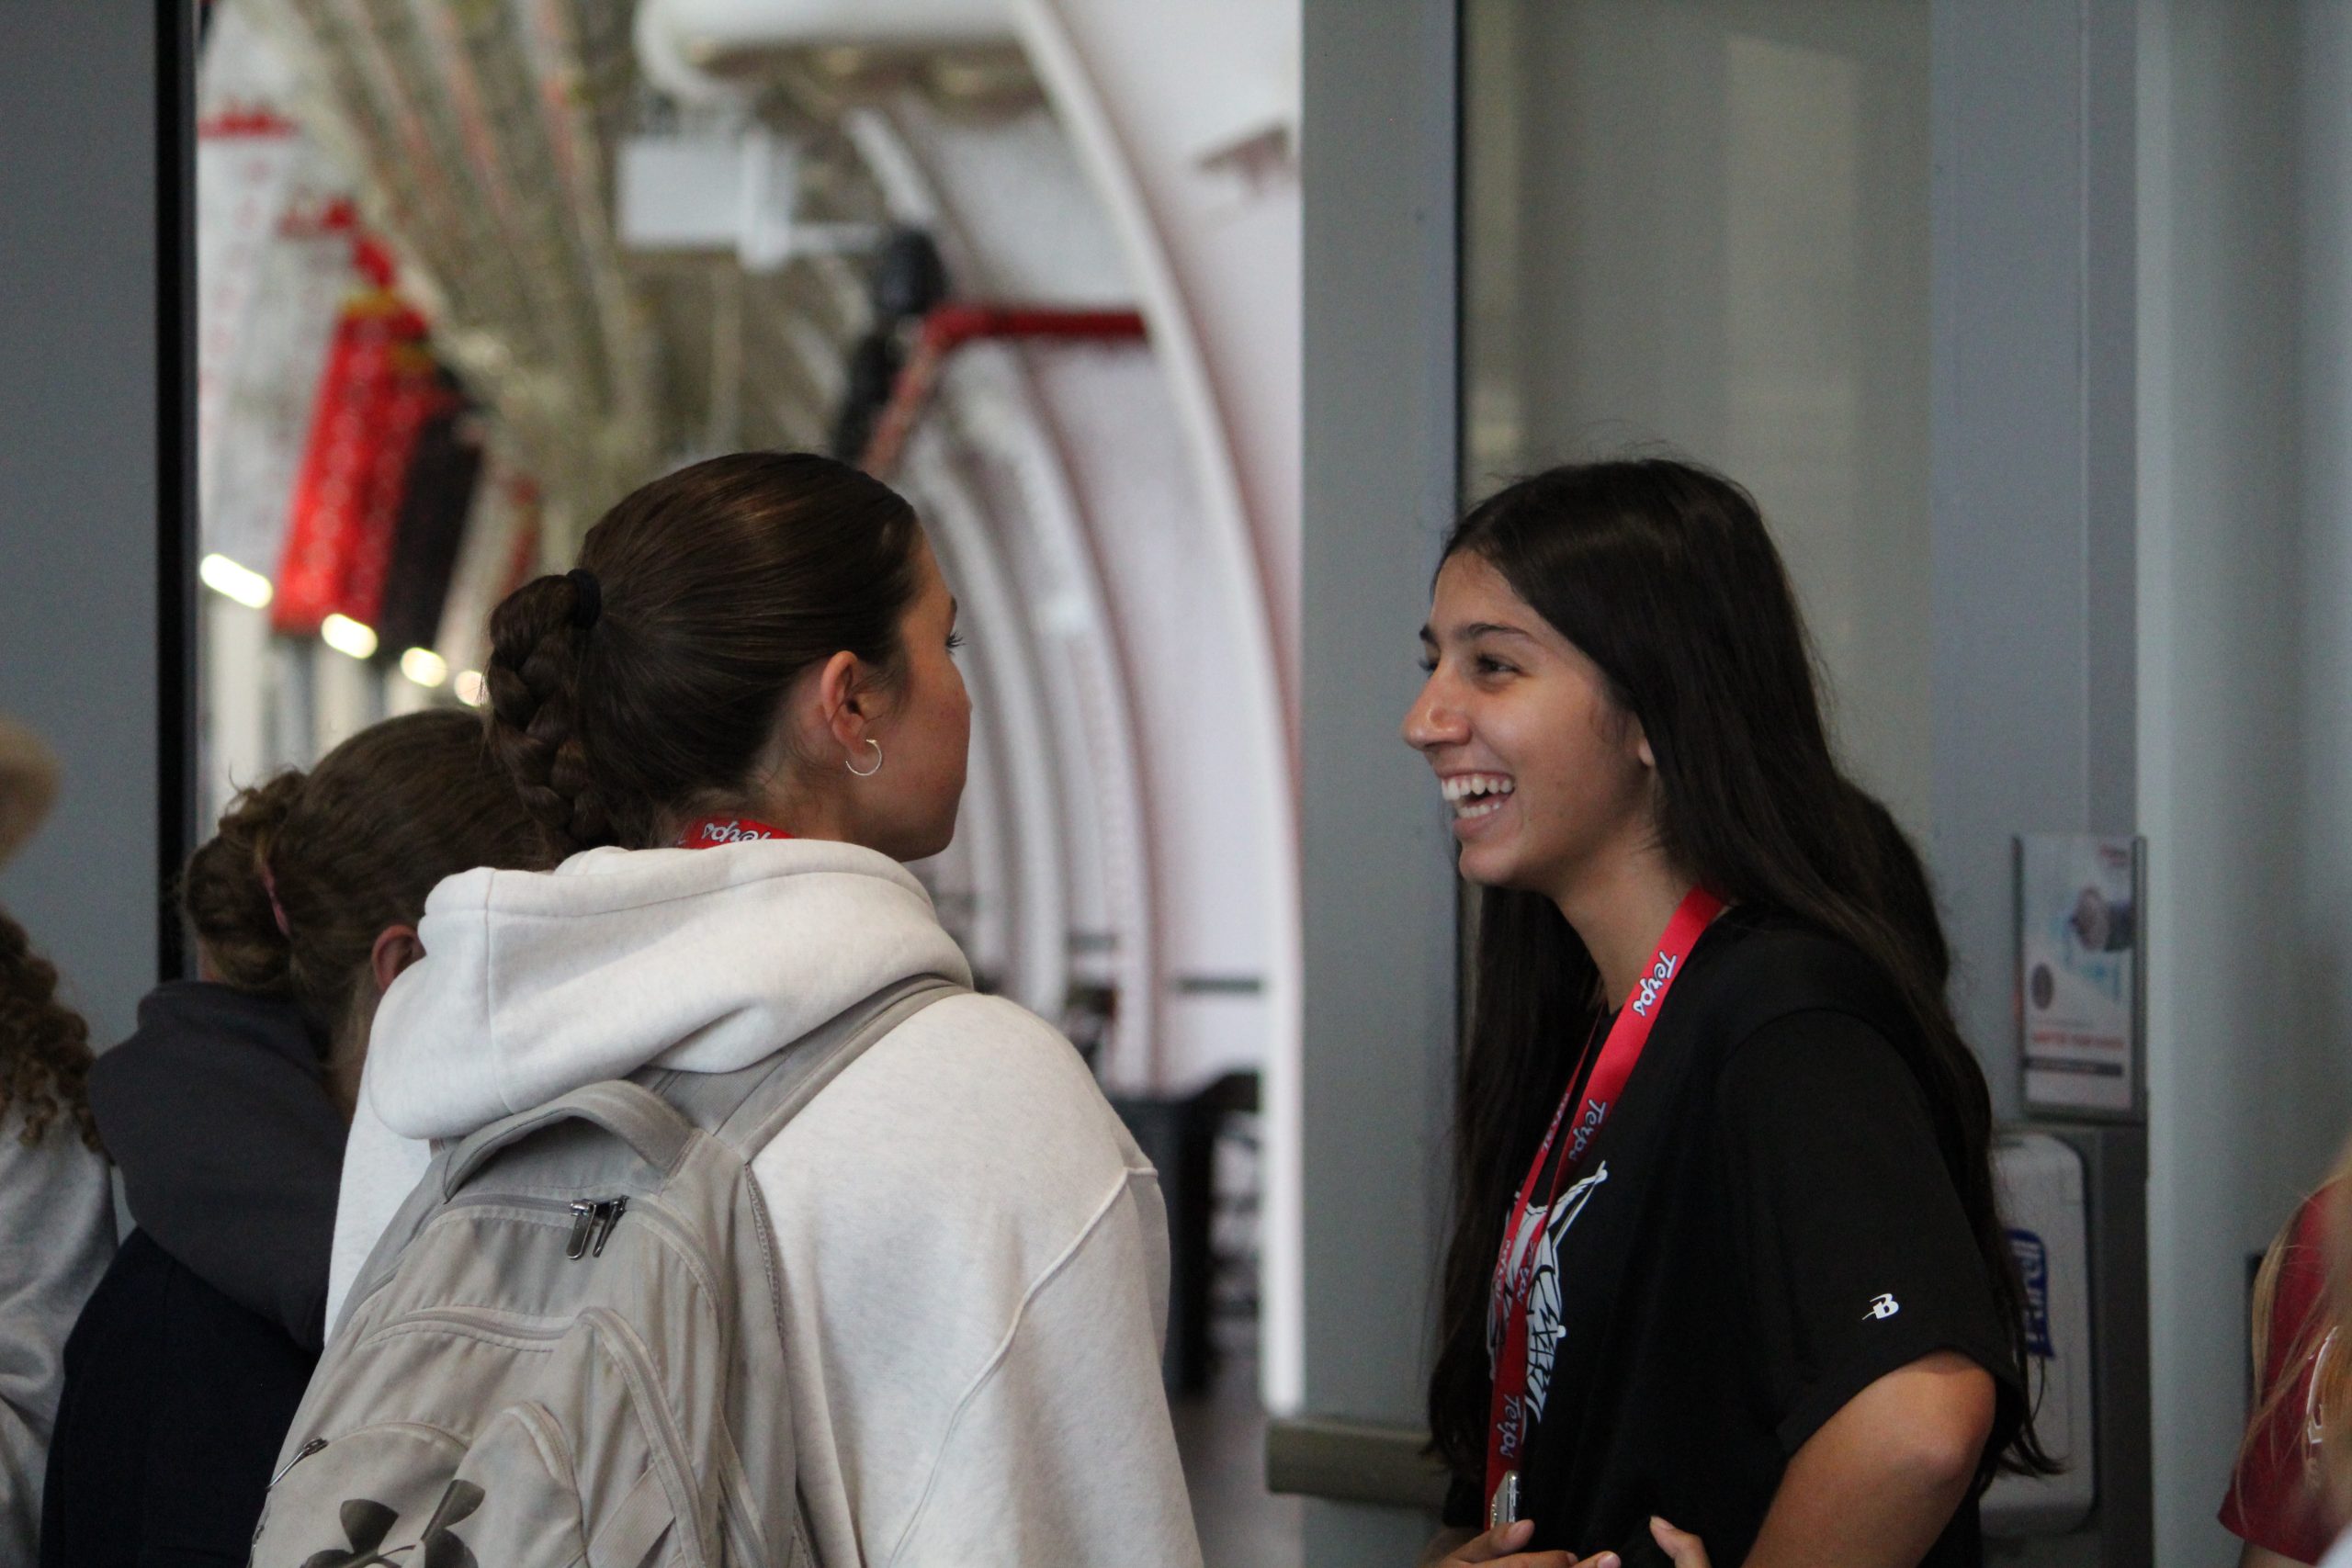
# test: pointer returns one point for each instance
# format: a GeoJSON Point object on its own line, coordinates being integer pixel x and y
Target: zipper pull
{"type": "Point", "coordinates": [612, 1216]}
{"type": "Point", "coordinates": [305, 1452]}
{"type": "Point", "coordinates": [584, 1214]}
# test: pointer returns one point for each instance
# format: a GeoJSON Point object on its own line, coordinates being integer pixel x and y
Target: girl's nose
{"type": "Point", "coordinates": [1432, 721]}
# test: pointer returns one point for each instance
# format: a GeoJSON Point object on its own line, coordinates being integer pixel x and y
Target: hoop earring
{"type": "Point", "coordinates": [866, 772]}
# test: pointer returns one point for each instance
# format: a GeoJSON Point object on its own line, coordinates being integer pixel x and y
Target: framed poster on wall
{"type": "Point", "coordinates": [2082, 983]}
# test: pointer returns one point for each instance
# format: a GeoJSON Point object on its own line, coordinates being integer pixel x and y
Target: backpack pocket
{"type": "Point", "coordinates": [589, 1486]}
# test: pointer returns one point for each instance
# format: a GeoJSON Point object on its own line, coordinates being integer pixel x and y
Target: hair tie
{"type": "Point", "coordinates": [269, 886]}
{"type": "Point", "coordinates": [587, 597]}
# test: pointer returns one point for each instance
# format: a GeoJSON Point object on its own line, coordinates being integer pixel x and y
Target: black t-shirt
{"type": "Point", "coordinates": [1767, 1224]}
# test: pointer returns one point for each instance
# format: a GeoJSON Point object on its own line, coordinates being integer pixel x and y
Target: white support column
{"type": "Point", "coordinates": [236, 697]}
{"type": "Point", "coordinates": [348, 695]}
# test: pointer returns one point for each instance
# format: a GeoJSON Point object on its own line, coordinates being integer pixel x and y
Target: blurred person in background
{"type": "Point", "coordinates": [2280, 1502]}
{"type": "Point", "coordinates": [58, 1230]}
{"type": "Point", "coordinates": [227, 1114]}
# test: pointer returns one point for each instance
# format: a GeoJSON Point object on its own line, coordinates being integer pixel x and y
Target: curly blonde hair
{"type": "Point", "coordinates": [44, 1045]}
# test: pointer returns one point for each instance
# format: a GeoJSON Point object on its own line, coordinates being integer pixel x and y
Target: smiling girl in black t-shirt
{"type": "Point", "coordinates": [1757, 1308]}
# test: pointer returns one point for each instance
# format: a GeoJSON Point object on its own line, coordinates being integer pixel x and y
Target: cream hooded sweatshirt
{"type": "Point", "coordinates": [974, 1251]}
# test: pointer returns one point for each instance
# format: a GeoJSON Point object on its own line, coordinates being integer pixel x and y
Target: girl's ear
{"type": "Point", "coordinates": [1642, 748]}
{"type": "Point", "coordinates": [396, 948]}
{"type": "Point", "coordinates": [842, 699]}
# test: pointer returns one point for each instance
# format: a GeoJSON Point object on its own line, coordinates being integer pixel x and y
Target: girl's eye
{"type": "Point", "coordinates": [1429, 666]}
{"type": "Point", "coordinates": [1492, 666]}
{"type": "Point", "coordinates": [954, 641]}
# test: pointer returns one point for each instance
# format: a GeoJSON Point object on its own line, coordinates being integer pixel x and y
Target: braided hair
{"type": "Point", "coordinates": [646, 682]}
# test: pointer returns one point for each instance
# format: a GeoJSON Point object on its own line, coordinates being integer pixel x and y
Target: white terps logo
{"type": "Point", "coordinates": [1883, 1307]}
{"type": "Point", "coordinates": [1545, 1297]}
{"type": "Point", "coordinates": [1654, 982]}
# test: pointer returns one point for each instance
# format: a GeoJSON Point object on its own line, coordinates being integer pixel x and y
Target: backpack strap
{"type": "Point", "coordinates": [656, 1111]}
{"type": "Point", "coordinates": [643, 1121]}
{"type": "Point", "coordinates": [746, 1108]}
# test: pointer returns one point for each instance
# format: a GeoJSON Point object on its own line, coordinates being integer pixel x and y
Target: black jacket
{"type": "Point", "coordinates": [184, 1369]}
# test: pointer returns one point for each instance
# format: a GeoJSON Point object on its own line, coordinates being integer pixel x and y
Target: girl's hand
{"type": "Point", "coordinates": [1500, 1548]}
{"type": "Point", "coordinates": [1687, 1550]}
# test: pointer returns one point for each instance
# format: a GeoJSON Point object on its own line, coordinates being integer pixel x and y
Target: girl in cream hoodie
{"type": "Point", "coordinates": [741, 713]}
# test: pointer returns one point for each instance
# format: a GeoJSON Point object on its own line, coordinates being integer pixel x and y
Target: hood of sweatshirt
{"type": "Point", "coordinates": [535, 983]}
{"type": "Point", "coordinates": [216, 1112]}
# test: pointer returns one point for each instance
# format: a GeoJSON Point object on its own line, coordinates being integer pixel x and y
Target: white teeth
{"type": "Point", "coordinates": [1475, 795]}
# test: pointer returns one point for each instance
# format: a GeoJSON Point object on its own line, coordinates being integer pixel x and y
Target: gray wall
{"type": "Point", "coordinates": [1380, 476]}
{"type": "Point", "coordinates": [2032, 463]}
{"type": "Point", "coordinates": [80, 481]}
{"type": "Point", "coordinates": [2244, 683]}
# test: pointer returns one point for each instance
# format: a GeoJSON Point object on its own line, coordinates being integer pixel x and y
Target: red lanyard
{"type": "Point", "coordinates": [1515, 1267]}
{"type": "Point", "coordinates": [715, 831]}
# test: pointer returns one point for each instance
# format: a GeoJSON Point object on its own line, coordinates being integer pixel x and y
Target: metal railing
{"type": "Point", "coordinates": [1354, 1461]}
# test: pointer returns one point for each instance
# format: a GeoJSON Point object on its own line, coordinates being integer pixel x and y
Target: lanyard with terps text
{"type": "Point", "coordinates": [713, 830]}
{"type": "Point", "coordinates": [1515, 1268]}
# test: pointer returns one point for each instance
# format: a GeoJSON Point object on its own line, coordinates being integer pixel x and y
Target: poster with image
{"type": "Point", "coordinates": [2079, 979]}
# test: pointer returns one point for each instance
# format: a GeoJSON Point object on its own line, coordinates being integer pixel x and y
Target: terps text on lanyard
{"type": "Point", "coordinates": [713, 830]}
{"type": "Point", "coordinates": [1515, 1268]}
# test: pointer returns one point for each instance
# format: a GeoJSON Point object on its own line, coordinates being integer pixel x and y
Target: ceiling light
{"type": "Point", "coordinates": [346, 636]}
{"type": "Point", "coordinates": [424, 667]}
{"type": "Point", "coordinates": [226, 578]}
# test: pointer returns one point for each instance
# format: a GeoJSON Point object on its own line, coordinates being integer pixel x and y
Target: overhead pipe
{"type": "Point", "coordinates": [678, 41]}
{"type": "Point", "coordinates": [947, 328]}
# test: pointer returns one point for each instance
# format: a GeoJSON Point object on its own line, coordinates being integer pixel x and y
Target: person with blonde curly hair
{"type": "Point", "coordinates": [59, 1230]}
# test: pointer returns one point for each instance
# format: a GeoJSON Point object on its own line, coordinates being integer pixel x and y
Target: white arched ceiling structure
{"type": "Point", "coordinates": [1198, 566]}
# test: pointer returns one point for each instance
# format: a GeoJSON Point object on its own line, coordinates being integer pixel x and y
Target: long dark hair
{"type": "Point", "coordinates": [1663, 575]}
{"type": "Point", "coordinates": [713, 588]}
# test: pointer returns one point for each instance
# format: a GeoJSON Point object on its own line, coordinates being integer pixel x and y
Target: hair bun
{"type": "Point", "coordinates": [587, 597]}
{"type": "Point", "coordinates": [227, 892]}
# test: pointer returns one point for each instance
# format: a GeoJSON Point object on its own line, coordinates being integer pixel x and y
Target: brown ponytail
{"type": "Point", "coordinates": [649, 681]}
{"type": "Point", "coordinates": [350, 848]}
{"type": "Point", "coordinates": [44, 1046]}
{"type": "Point", "coordinates": [226, 898]}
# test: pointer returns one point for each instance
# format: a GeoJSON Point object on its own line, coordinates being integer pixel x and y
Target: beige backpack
{"type": "Point", "coordinates": [568, 1346]}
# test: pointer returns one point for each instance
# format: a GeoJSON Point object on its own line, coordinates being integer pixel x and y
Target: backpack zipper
{"type": "Point", "coordinates": [593, 1217]}
{"type": "Point", "coordinates": [305, 1452]}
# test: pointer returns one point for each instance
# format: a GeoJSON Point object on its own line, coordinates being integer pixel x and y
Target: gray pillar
{"type": "Point", "coordinates": [2033, 462]}
{"type": "Point", "coordinates": [1381, 413]}
{"type": "Point", "coordinates": [2035, 539]}
{"type": "Point", "coordinates": [95, 588]}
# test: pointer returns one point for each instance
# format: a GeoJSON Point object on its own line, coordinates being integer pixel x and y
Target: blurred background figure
{"type": "Point", "coordinates": [226, 1115]}
{"type": "Point", "coordinates": [2285, 1502]}
{"type": "Point", "coordinates": [56, 1211]}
